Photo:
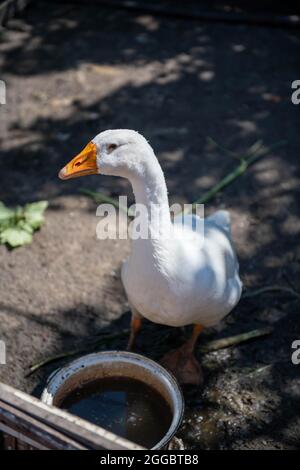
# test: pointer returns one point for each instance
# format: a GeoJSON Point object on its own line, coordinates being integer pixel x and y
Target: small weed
{"type": "Point", "coordinates": [17, 225]}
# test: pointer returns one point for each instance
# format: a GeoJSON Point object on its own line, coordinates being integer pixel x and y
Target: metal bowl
{"type": "Point", "coordinates": [117, 364]}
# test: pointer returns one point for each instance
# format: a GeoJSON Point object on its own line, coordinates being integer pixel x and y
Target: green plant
{"type": "Point", "coordinates": [17, 225]}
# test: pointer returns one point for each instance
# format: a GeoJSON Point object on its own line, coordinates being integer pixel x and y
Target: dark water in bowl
{"type": "Point", "coordinates": [127, 407]}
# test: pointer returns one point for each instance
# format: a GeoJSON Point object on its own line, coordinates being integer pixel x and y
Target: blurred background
{"type": "Point", "coordinates": [204, 82]}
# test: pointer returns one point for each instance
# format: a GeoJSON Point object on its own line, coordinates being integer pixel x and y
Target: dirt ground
{"type": "Point", "coordinates": [72, 71]}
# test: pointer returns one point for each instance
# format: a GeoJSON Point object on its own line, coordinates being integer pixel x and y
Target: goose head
{"type": "Point", "coordinates": [119, 152]}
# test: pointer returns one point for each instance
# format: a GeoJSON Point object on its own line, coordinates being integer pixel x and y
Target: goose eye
{"type": "Point", "coordinates": [111, 148]}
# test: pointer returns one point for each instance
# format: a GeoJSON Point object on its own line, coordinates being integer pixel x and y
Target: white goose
{"type": "Point", "coordinates": [175, 277]}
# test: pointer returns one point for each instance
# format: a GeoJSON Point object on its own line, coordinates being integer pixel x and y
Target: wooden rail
{"type": "Point", "coordinates": [27, 423]}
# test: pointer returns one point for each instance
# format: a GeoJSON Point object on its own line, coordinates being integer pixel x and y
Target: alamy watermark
{"type": "Point", "coordinates": [151, 221]}
{"type": "Point", "coordinates": [296, 94]}
{"type": "Point", "coordinates": [2, 352]}
{"type": "Point", "coordinates": [296, 354]}
{"type": "Point", "coordinates": [2, 92]}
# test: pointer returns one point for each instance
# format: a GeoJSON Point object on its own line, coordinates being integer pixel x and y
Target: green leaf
{"type": "Point", "coordinates": [36, 207]}
{"type": "Point", "coordinates": [33, 213]}
{"type": "Point", "coordinates": [22, 224]}
{"type": "Point", "coordinates": [17, 225]}
{"type": "Point", "coordinates": [35, 220]}
{"type": "Point", "coordinates": [4, 224]}
{"type": "Point", "coordinates": [15, 237]}
{"type": "Point", "coordinates": [5, 213]}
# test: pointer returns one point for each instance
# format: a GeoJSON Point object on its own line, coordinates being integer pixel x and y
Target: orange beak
{"type": "Point", "coordinates": [85, 163]}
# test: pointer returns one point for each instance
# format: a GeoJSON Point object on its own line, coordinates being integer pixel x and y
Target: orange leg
{"type": "Point", "coordinates": [182, 361]}
{"type": "Point", "coordinates": [136, 323]}
{"type": "Point", "coordinates": [191, 342]}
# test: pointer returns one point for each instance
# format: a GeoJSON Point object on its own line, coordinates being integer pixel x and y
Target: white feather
{"type": "Point", "coordinates": [178, 278]}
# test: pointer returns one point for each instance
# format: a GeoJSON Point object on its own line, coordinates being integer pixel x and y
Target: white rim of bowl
{"type": "Point", "coordinates": [59, 377]}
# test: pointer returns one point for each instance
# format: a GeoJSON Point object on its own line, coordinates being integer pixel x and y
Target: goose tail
{"type": "Point", "coordinates": [222, 219]}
